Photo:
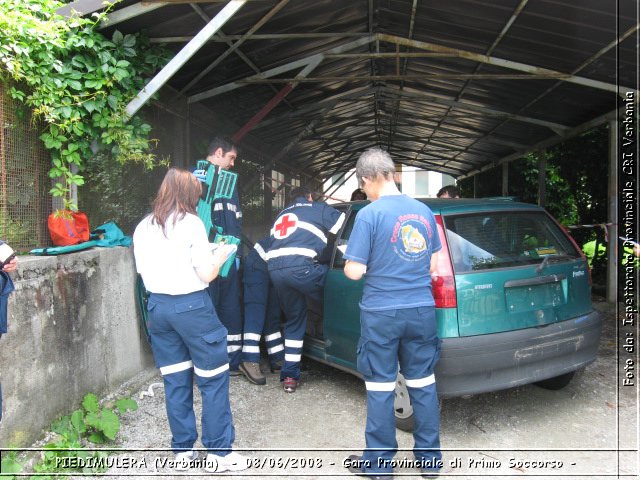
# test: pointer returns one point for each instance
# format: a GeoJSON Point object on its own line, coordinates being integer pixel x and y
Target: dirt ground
{"type": "Point", "coordinates": [587, 430]}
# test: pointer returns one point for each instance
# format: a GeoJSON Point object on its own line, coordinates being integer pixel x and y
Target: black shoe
{"type": "Point", "coordinates": [276, 366]}
{"type": "Point", "coordinates": [355, 466]}
{"type": "Point", "coordinates": [430, 473]}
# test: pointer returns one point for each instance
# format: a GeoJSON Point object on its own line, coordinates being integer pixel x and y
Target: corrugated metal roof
{"type": "Point", "coordinates": [453, 86]}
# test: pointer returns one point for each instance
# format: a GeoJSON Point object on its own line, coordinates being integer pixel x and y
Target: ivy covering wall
{"type": "Point", "coordinates": [79, 83]}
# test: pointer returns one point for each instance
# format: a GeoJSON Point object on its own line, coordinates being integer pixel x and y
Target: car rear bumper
{"type": "Point", "coordinates": [485, 363]}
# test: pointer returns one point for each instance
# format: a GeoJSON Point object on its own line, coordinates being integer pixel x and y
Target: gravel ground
{"type": "Point", "coordinates": [309, 434]}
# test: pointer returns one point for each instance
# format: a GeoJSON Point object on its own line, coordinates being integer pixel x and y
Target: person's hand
{"type": "Point", "coordinates": [224, 251]}
{"type": "Point", "coordinates": [11, 265]}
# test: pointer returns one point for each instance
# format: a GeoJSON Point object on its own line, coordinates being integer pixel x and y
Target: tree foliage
{"type": "Point", "coordinates": [79, 82]}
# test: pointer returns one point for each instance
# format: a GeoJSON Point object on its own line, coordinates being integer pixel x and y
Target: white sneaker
{"type": "Point", "coordinates": [183, 460]}
{"type": "Point", "coordinates": [233, 462]}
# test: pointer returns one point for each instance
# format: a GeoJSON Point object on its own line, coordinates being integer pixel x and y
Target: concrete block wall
{"type": "Point", "coordinates": [73, 329]}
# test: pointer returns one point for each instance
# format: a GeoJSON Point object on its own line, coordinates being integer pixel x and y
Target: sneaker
{"type": "Point", "coordinates": [252, 371]}
{"type": "Point", "coordinates": [234, 462]}
{"type": "Point", "coordinates": [234, 373]}
{"type": "Point", "coordinates": [290, 384]}
{"type": "Point", "coordinates": [276, 366]}
{"type": "Point", "coordinates": [183, 460]}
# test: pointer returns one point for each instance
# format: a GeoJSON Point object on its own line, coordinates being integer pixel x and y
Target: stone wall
{"type": "Point", "coordinates": [73, 329]}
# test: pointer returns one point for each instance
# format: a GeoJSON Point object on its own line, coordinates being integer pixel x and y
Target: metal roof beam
{"type": "Point", "coordinates": [237, 51]}
{"type": "Point", "coordinates": [279, 6]}
{"type": "Point", "coordinates": [263, 36]}
{"type": "Point", "coordinates": [350, 95]}
{"type": "Point", "coordinates": [82, 7]}
{"type": "Point", "coordinates": [185, 54]}
{"type": "Point", "coordinates": [405, 77]}
{"type": "Point", "coordinates": [549, 142]}
{"type": "Point", "coordinates": [538, 72]}
{"type": "Point", "coordinates": [479, 66]}
{"type": "Point", "coordinates": [303, 62]}
{"type": "Point", "coordinates": [588, 62]}
{"type": "Point", "coordinates": [594, 57]}
{"type": "Point", "coordinates": [426, 164]}
{"type": "Point", "coordinates": [271, 104]}
{"type": "Point", "coordinates": [129, 12]}
{"type": "Point", "coordinates": [556, 127]}
{"type": "Point", "coordinates": [408, 138]}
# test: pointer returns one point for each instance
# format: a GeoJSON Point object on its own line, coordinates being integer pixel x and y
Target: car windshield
{"type": "Point", "coordinates": [482, 241]}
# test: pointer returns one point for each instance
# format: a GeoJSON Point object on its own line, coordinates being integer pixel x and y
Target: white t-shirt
{"type": "Point", "coordinates": [167, 263]}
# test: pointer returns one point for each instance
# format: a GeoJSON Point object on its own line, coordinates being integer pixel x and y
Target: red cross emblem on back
{"type": "Point", "coordinates": [285, 226]}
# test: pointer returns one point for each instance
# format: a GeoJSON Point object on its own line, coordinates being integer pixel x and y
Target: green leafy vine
{"type": "Point", "coordinates": [79, 82]}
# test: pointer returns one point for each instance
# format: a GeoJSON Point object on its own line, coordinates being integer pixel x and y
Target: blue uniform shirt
{"type": "Point", "coordinates": [395, 237]}
{"type": "Point", "coordinates": [299, 234]}
{"type": "Point", "coordinates": [6, 287]}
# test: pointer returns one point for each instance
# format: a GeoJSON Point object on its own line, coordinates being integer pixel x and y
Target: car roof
{"type": "Point", "coordinates": [449, 206]}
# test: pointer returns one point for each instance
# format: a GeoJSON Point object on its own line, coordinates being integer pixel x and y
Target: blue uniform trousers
{"type": "Point", "coordinates": [6, 287]}
{"type": "Point", "coordinates": [225, 293]}
{"type": "Point", "coordinates": [293, 285]}
{"type": "Point", "coordinates": [408, 336]}
{"type": "Point", "coordinates": [261, 313]}
{"type": "Point", "coordinates": [188, 338]}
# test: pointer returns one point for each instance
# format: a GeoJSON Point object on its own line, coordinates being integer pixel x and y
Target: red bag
{"type": "Point", "coordinates": [68, 228]}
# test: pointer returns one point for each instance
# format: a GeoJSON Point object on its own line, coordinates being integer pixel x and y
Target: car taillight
{"type": "Point", "coordinates": [443, 284]}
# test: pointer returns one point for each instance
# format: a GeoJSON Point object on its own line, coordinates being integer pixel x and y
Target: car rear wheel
{"type": "Point", "coordinates": [556, 383]}
{"type": "Point", "coordinates": [402, 406]}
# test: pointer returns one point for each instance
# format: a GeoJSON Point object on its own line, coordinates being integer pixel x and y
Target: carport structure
{"type": "Point", "coordinates": [455, 86]}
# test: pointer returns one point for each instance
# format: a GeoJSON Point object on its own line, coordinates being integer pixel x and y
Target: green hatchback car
{"type": "Point", "coordinates": [513, 302]}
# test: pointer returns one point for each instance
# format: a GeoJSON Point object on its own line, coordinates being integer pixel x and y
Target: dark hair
{"type": "Point", "coordinates": [358, 194]}
{"type": "Point", "coordinates": [451, 190]}
{"type": "Point", "coordinates": [178, 194]}
{"type": "Point", "coordinates": [221, 142]}
{"type": "Point", "coordinates": [296, 192]}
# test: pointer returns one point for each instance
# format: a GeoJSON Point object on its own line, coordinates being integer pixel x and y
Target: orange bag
{"type": "Point", "coordinates": [68, 228]}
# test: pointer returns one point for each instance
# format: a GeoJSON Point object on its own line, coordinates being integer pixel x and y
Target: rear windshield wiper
{"type": "Point", "coordinates": [552, 258]}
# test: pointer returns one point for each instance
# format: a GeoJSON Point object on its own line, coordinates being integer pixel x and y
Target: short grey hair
{"type": "Point", "coordinates": [372, 162]}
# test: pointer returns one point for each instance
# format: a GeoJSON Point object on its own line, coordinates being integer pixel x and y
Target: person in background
{"type": "Point", "coordinates": [226, 215]}
{"type": "Point", "coordinates": [448, 191]}
{"type": "Point", "coordinates": [358, 194]}
{"type": "Point", "coordinates": [298, 238]}
{"type": "Point", "coordinates": [393, 245]}
{"type": "Point", "coordinates": [6, 287]}
{"type": "Point", "coordinates": [175, 259]}
{"type": "Point", "coordinates": [261, 316]}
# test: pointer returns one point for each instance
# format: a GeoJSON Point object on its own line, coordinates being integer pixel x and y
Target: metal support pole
{"type": "Point", "coordinates": [267, 211]}
{"type": "Point", "coordinates": [271, 104]}
{"type": "Point", "coordinates": [184, 55]}
{"type": "Point", "coordinates": [505, 179]}
{"type": "Point", "coordinates": [542, 179]}
{"type": "Point", "coordinates": [612, 247]}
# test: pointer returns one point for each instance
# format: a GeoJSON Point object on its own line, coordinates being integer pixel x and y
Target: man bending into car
{"type": "Point", "coordinates": [392, 245]}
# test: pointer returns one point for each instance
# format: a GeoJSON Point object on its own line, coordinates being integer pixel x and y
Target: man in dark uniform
{"type": "Point", "coordinates": [261, 315]}
{"type": "Point", "coordinates": [9, 264]}
{"type": "Point", "coordinates": [226, 216]}
{"type": "Point", "coordinates": [393, 244]}
{"type": "Point", "coordinates": [298, 237]}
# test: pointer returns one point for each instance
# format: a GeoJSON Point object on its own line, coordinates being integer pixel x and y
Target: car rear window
{"type": "Point", "coordinates": [482, 241]}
